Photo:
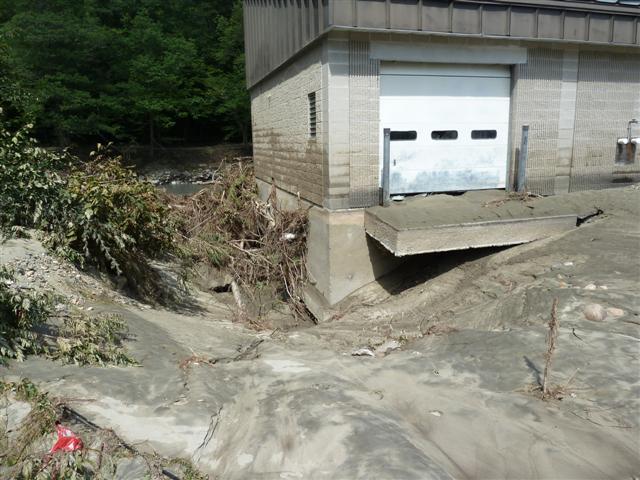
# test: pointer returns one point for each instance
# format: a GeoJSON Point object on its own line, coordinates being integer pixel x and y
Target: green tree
{"type": "Point", "coordinates": [228, 77]}
{"type": "Point", "coordinates": [165, 78]}
{"type": "Point", "coordinates": [125, 70]}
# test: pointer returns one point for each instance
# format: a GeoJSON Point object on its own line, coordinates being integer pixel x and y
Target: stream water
{"type": "Point", "coordinates": [183, 188]}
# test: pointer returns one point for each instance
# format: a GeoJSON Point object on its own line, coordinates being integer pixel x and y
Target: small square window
{"type": "Point", "coordinates": [313, 115]}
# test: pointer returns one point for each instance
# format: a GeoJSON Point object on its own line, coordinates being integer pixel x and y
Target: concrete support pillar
{"type": "Point", "coordinates": [341, 258]}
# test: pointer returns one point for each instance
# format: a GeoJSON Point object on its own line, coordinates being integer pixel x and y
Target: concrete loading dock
{"type": "Point", "coordinates": [326, 77]}
{"type": "Point", "coordinates": [486, 218]}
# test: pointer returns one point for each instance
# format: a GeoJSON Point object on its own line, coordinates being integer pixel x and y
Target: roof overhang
{"type": "Point", "coordinates": [276, 31]}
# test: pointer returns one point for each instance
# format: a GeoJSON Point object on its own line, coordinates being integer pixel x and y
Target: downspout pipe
{"type": "Point", "coordinates": [386, 167]}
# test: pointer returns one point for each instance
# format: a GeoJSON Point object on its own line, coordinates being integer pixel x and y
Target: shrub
{"type": "Point", "coordinates": [81, 339]}
{"type": "Point", "coordinates": [118, 221]}
{"type": "Point", "coordinates": [32, 183]}
{"type": "Point", "coordinates": [20, 312]}
{"type": "Point", "coordinates": [95, 213]}
{"type": "Point", "coordinates": [92, 341]}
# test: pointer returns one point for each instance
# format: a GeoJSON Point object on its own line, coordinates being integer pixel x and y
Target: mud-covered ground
{"type": "Point", "coordinates": [456, 399]}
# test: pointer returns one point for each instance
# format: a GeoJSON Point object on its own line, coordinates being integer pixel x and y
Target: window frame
{"type": "Point", "coordinates": [313, 115]}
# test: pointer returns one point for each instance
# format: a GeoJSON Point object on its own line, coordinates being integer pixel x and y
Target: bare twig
{"type": "Point", "coordinates": [552, 337]}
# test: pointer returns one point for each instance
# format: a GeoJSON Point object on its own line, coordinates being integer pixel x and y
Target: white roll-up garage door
{"type": "Point", "coordinates": [449, 123]}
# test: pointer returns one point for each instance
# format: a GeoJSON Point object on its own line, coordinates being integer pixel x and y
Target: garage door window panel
{"type": "Point", "coordinates": [403, 136]}
{"type": "Point", "coordinates": [444, 135]}
{"type": "Point", "coordinates": [484, 134]}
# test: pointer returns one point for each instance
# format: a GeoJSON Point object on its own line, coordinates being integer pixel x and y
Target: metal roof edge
{"type": "Point", "coordinates": [506, 38]}
{"type": "Point", "coordinates": [293, 57]}
{"type": "Point", "coordinates": [578, 5]}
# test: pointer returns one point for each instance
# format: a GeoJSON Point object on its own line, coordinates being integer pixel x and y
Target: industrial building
{"type": "Point", "coordinates": [455, 82]}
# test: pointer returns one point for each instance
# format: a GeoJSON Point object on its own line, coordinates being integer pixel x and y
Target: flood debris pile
{"type": "Point", "coordinates": [261, 245]}
{"type": "Point", "coordinates": [42, 437]}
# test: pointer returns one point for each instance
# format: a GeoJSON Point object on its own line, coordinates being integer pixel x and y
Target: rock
{"type": "Point", "coordinates": [387, 347]}
{"type": "Point", "coordinates": [212, 279]}
{"type": "Point", "coordinates": [568, 264]}
{"type": "Point", "coordinates": [363, 352]}
{"type": "Point", "coordinates": [595, 312]}
{"type": "Point", "coordinates": [436, 413]}
{"type": "Point", "coordinates": [615, 312]}
{"type": "Point", "coordinates": [591, 286]}
{"type": "Point", "coordinates": [13, 415]}
{"type": "Point", "coordinates": [131, 469]}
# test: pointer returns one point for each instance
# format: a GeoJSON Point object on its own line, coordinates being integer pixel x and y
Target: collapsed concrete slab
{"type": "Point", "coordinates": [477, 219]}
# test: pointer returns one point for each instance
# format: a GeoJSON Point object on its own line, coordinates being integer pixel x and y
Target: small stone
{"type": "Point", "coordinates": [89, 309]}
{"type": "Point", "coordinates": [615, 312]}
{"type": "Point", "coordinates": [387, 347]}
{"type": "Point", "coordinates": [363, 352]}
{"type": "Point", "coordinates": [591, 286]}
{"type": "Point", "coordinates": [594, 312]}
{"type": "Point", "coordinates": [568, 264]}
{"type": "Point", "coordinates": [604, 287]}
{"type": "Point", "coordinates": [436, 413]}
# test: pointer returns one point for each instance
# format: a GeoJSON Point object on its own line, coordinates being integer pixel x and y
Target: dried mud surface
{"type": "Point", "coordinates": [454, 401]}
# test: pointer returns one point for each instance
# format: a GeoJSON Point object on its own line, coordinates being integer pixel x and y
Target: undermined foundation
{"type": "Point", "coordinates": [348, 249]}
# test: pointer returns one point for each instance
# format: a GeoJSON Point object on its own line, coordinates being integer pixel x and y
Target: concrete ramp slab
{"type": "Point", "coordinates": [486, 218]}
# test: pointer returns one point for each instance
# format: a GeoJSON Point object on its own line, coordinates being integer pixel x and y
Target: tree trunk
{"type": "Point", "coordinates": [152, 140]}
{"type": "Point", "coordinates": [245, 133]}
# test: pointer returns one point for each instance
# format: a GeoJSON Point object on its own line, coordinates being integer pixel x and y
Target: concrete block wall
{"type": "Point", "coordinates": [284, 152]}
{"type": "Point", "coordinates": [336, 143]}
{"type": "Point", "coordinates": [537, 92]}
{"type": "Point", "coordinates": [577, 102]}
{"type": "Point", "coordinates": [608, 96]}
{"type": "Point", "coordinates": [339, 168]}
{"type": "Point", "coordinates": [353, 87]}
{"type": "Point", "coordinates": [364, 123]}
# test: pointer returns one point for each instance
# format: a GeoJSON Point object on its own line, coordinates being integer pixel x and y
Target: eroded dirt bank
{"type": "Point", "coordinates": [453, 402]}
